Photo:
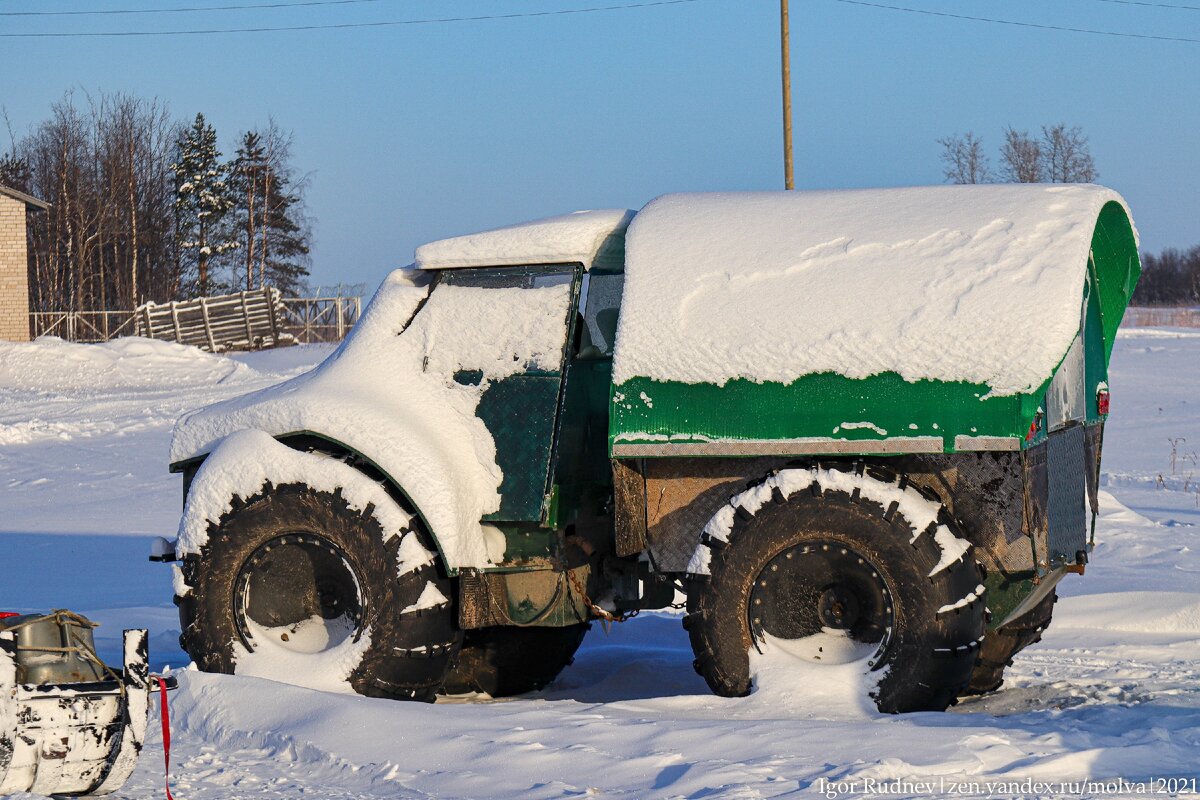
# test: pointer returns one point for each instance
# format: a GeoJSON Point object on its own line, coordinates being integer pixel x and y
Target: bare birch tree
{"type": "Point", "coordinates": [963, 159]}
{"type": "Point", "coordinates": [1066, 157]}
{"type": "Point", "coordinates": [1020, 157]}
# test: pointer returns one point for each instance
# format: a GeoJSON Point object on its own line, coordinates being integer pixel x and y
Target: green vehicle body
{"type": "Point", "coordinates": [814, 405]}
{"type": "Point", "coordinates": [598, 489]}
{"type": "Point", "coordinates": [762, 426]}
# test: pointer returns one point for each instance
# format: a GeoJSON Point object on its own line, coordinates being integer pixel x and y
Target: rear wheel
{"type": "Point", "coordinates": [295, 586]}
{"type": "Point", "coordinates": [505, 660]}
{"type": "Point", "coordinates": [839, 577]}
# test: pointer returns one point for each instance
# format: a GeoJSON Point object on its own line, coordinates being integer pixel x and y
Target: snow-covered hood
{"type": "Point", "coordinates": [373, 396]}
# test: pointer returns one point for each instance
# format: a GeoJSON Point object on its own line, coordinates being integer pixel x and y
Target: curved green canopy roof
{"type": "Point", "coordinates": [898, 320]}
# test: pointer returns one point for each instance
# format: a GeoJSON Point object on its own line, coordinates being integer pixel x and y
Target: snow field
{"type": "Point", "coordinates": [1112, 690]}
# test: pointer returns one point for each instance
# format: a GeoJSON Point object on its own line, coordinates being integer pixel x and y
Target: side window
{"type": "Point", "coordinates": [600, 315]}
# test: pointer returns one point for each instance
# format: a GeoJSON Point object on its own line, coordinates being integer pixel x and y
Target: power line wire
{"type": "Point", "coordinates": [181, 10]}
{"type": "Point", "coordinates": [345, 25]}
{"type": "Point", "coordinates": [1020, 24]}
{"type": "Point", "coordinates": [1151, 5]}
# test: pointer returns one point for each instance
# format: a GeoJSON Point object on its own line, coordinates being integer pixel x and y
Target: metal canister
{"type": "Point", "coordinates": [54, 648]}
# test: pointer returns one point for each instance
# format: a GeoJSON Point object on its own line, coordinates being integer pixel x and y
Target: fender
{"type": "Point", "coordinates": [314, 442]}
{"type": "Point", "coordinates": [371, 399]}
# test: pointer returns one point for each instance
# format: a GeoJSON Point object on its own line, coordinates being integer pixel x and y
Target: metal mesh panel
{"type": "Point", "coordinates": [1067, 490]}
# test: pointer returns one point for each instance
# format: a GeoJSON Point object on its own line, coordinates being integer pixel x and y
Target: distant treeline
{"type": "Point", "coordinates": [1062, 155]}
{"type": "Point", "coordinates": [144, 208]}
{"type": "Point", "coordinates": [1171, 278]}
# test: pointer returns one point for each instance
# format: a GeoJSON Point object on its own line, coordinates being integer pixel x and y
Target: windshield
{"type": "Point", "coordinates": [494, 323]}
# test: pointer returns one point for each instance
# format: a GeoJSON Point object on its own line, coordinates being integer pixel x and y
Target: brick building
{"type": "Point", "coordinates": [14, 263]}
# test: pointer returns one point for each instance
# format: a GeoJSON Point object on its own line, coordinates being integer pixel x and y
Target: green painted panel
{"type": "Point", "coordinates": [519, 412]}
{"type": "Point", "coordinates": [818, 405]}
{"type": "Point", "coordinates": [1115, 255]}
{"type": "Point", "coordinates": [1095, 353]}
{"type": "Point", "coordinates": [1005, 593]}
{"type": "Point", "coordinates": [583, 472]}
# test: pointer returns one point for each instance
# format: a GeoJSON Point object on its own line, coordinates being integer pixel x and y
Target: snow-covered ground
{"type": "Point", "coordinates": [1113, 692]}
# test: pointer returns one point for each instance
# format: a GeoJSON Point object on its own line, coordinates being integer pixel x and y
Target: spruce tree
{"type": "Point", "coordinates": [271, 226]}
{"type": "Point", "coordinates": [285, 248]}
{"type": "Point", "coordinates": [202, 203]}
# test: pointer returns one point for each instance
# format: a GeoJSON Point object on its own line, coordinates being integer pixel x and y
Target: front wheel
{"type": "Point", "coordinates": [836, 567]}
{"type": "Point", "coordinates": [296, 586]}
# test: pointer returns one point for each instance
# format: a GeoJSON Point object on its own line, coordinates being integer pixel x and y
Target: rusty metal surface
{"type": "Point", "coordinates": [985, 494]}
{"type": "Point", "coordinates": [543, 598]}
{"type": "Point", "coordinates": [1036, 523]}
{"type": "Point", "coordinates": [984, 491]}
{"type": "Point", "coordinates": [682, 495]}
{"type": "Point", "coordinates": [1094, 445]}
{"type": "Point", "coordinates": [968, 444]}
{"type": "Point", "coordinates": [629, 508]}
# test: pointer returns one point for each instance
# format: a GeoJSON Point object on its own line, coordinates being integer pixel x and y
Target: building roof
{"type": "Point", "coordinates": [24, 198]}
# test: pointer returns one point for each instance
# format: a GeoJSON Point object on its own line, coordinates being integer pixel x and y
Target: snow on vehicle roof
{"type": "Point", "coordinates": [955, 283]}
{"type": "Point", "coordinates": [583, 237]}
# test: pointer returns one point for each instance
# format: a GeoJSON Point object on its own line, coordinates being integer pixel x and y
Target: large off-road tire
{"type": "Point", "coordinates": [503, 661]}
{"type": "Point", "coordinates": [291, 567]}
{"type": "Point", "coordinates": [824, 560]}
{"type": "Point", "coordinates": [1000, 645]}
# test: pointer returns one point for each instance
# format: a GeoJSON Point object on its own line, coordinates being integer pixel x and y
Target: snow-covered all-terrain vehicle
{"type": "Point", "coordinates": [860, 428]}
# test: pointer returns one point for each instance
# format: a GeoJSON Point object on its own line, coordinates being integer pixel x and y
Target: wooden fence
{"type": "Point", "coordinates": [82, 326]}
{"type": "Point", "coordinates": [242, 321]}
{"type": "Point", "coordinates": [320, 319]}
{"type": "Point", "coordinates": [1164, 317]}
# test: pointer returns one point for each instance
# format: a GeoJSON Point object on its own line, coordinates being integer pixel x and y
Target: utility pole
{"type": "Point", "coordinates": [786, 58]}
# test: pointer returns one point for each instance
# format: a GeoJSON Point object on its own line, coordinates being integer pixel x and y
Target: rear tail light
{"type": "Point", "coordinates": [1034, 426]}
{"type": "Point", "coordinates": [7, 614]}
{"type": "Point", "coordinates": [1102, 401]}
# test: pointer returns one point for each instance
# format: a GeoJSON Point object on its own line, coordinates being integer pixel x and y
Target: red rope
{"type": "Point", "coordinates": [166, 733]}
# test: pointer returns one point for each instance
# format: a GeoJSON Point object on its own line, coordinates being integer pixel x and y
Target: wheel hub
{"type": "Point", "coordinates": [838, 608]}
{"type": "Point", "coordinates": [823, 593]}
{"type": "Point", "coordinates": [298, 591]}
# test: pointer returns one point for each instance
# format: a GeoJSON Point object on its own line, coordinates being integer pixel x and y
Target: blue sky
{"type": "Point", "coordinates": [416, 132]}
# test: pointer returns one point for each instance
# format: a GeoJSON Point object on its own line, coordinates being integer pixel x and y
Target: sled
{"type": "Point", "coordinates": [69, 723]}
